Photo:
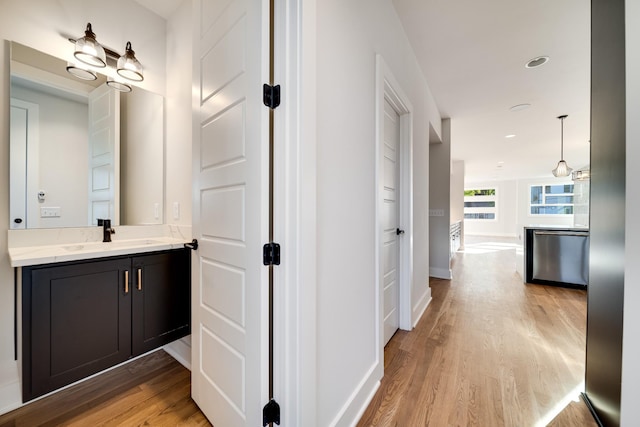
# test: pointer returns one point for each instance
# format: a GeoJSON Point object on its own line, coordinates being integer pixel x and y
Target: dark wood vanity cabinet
{"type": "Point", "coordinates": [79, 318]}
{"type": "Point", "coordinates": [161, 299]}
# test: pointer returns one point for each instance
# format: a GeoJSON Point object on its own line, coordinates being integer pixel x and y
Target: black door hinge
{"type": "Point", "coordinates": [271, 413]}
{"type": "Point", "coordinates": [271, 254]}
{"type": "Point", "coordinates": [271, 95]}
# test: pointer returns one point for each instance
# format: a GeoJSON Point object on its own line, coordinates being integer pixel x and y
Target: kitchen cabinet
{"type": "Point", "coordinates": [81, 317]}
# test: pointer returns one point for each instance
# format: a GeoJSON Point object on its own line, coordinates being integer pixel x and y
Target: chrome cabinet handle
{"type": "Point", "coordinates": [126, 281]}
{"type": "Point", "coordinates": [139, 279]}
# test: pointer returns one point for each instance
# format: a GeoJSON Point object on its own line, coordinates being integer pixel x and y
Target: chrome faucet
{"type": "Point", "coordinates": [107, 231]}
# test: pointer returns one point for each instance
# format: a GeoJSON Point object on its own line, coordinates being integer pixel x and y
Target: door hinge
{"type": "Point", "coordinates": [271, 254]}
{"type": "Point", "coordinates": [271, 413]}
{"type": "Point", "coordinates": [271, 95]}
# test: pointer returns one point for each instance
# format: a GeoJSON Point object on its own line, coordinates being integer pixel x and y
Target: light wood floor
{"type": "Point", "coordinates": [489, 351]}
{"type": "Point", "coordinates": [150, 391]}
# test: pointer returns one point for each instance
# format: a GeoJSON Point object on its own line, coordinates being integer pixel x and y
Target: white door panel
{"type": "Point", "coordinates": [104, 155]}
{"type": "Point", "coordinates": [390, 250]}
{"type": "Point", "coordinates": [230, 211]}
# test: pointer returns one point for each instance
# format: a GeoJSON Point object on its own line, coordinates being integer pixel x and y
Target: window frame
{"type": "Point", "coordinates": [478, 210]}
{"type": "Point", "coordinates": [544, 196]}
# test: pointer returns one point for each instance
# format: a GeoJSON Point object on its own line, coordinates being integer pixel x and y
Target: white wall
{"type": "Point", "coordinates": [8, 368]}
{"type": "Point", "coordinates": [178, 116]}
{"type": "Point", "coordinates": [439, 199]}
{"type": "Point", "coordinates": [513, 208]}
{"type": "Point", "coordinates": [507, 210]}
{"type": "Point", "coordinates": [62, 158]}
{"type": "Point", "coordinates": [349, 35]}
{"type": "Point", "coordinates": [630, 410]}
{"type": "Point", "coordinates": [141, 158]}
{"type": "Point", "coordinates": [456, 193]}
{"type": "Point", "coordinates": [39, 24]}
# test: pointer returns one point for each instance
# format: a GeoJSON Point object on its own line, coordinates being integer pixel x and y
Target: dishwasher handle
{"type": "Point", "coordinates": [561, 233]}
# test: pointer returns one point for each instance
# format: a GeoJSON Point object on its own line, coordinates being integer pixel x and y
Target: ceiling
{"type": "Point", "coordinates": [164, 8]}
{"type": "Point", "coordinates": [473, 54]}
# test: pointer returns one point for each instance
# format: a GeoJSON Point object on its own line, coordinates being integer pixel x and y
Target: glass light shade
{"type": "Point", "coordinates": [128, 66]}
{"type": "Point", "coordinates": [81, 72]}
{"type": "Point", "coordinates": [121, 86]}
{"type": "Point", "coordinates": [562, 169]}
{"type": "Point", "coordinates": [89, 51]}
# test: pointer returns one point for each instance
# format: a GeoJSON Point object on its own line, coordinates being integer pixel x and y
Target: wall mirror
{"type": "Point", "coordinates": [81, 150]}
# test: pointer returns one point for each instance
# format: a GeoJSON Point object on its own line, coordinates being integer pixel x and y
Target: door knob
{"type": "Point", "coordinates": [399, 232]}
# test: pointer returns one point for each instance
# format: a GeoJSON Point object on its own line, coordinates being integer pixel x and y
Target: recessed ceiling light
{"type": "Point", "coordinates": [536, 62]}
{"type": "Point", "coordinates": [510, 136]}
{"type": "Point", "coordinates": [520, 107]}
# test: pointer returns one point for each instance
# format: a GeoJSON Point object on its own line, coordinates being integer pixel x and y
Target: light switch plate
{"type": "Point", "coordinates": [176, 210]}
{"type": "Point", "coordinates": [436, 212]}
{"type": "Point", "coordinates": [50, 212]}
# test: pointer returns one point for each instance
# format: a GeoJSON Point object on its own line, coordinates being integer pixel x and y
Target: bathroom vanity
{"type": "Point", "coordinates": [85, 307]}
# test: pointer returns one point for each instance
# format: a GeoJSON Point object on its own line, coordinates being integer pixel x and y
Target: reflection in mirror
{"type": "Point", "coordinates": [81, 150]}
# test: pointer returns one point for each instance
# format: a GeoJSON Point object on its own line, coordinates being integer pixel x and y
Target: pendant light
{"type": "Point", "coordinates": [562, 169]}
{"type": "Point", "coordinates": [89, 51]}
{"type": "Point", "coordinates": [128, 66]}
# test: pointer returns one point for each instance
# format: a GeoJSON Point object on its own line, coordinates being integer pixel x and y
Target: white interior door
{"type": "Point", "coordinates": [18, 168]}
{"type": "Point", "coordinates": [23, 140]}
{"type": "Point", "coordinates": [104, 155]}
{"type": "Point", "coordinates": [230, 211]}
{"type": "Point", "coordinates": [390, 247]}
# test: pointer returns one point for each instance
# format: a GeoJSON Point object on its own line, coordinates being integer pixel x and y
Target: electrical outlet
{"type": "Point", "coordinates": [51, 212]}
{"type": "Point", "coordinates": [156, 210]}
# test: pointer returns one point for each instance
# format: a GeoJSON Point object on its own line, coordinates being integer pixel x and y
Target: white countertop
{"type": "Point", "coordinates": [35, 255]}
{"type": "Point", "coordinates": [35, 247]}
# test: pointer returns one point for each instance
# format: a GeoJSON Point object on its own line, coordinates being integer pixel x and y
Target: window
{"type": "Point", "coordinates": [551, 199]}
{"type": "Point", "coordinates": [480, 204]}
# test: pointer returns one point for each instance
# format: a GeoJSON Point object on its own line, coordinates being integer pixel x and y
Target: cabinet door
{"type": "Point", "coordinates": [76, 322]}
{"type": "Point", "coordinates": [161, 299]}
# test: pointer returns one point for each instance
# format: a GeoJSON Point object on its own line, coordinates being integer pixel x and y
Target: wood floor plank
{"type": "Point", "coordinates": [489, 351]}
{"type": "Point", "coordinates": [153, 391]}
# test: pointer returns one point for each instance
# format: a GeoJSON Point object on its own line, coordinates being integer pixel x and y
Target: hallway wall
{"type": "Point", "coordinates": [349, 35]}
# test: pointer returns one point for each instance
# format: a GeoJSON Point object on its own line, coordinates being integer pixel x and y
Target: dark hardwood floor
{"type": "Point", "coordinates": [151, 391]}
{"type": "Point", "coordinates": [489, 351]}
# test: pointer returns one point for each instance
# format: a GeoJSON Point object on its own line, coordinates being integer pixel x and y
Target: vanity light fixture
{"type": "Point", "coordinates": [128, 66]}
{"type": "Point", "coordinates": [562, 169]}
{"type": "Point", "coordinates": [89, 51]}
{"type": "Point", "coordinates": [118, 85]}
{"type": "Point", "coordinates": [81, 72]}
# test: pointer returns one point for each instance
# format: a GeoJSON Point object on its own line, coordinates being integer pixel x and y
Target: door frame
{"type": "Point", "coordinates": [387, 87]}
{"type": "Point", "coordinates": [294, 202]}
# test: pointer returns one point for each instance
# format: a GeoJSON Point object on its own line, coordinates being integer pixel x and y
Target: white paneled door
{"type": "Point", "coordinates": [104, 155]}
{"type": "Point", "coordinates": [230, 211]}
{"type": "Point", "coordinates": [390, 219]}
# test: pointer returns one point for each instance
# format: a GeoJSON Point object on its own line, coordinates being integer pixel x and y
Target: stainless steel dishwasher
{"type": "Point", "coordinates": [561, 256]}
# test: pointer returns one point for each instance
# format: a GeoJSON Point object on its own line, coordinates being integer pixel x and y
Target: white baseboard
{"type": "Point", "coordinates": [10, 390]}
{"type": "Point", "coordinates": [440, 273]}
{"type": "Point", "coordinates": [181, 351]}
{"type": "Point", "coordinates": [421, 310]}
{"type": "Point", "coordinates": [354, 407]}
